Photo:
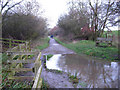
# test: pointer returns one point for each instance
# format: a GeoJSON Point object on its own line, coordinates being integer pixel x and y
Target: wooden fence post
{"type": "Point", "coordinates": [29, 46]}
{"type": "Point", "coordinates": [10, 43]}
{"type": "Point", "coordinates": [106, 35]}
{"type": "Point", "coordinates": [37, 63]}
{"type": "Point", "coordinates": [25, 46]}
{"type": "Point", "coordinates": [38, 70]}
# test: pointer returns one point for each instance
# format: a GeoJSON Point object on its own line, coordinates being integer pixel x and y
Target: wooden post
{"type": "Point", "coordinates": [18, 47]}
{"type": "Point", "coordinates": [38, 80]}
{"type": "Point", "coordinates": [26, 57]}
{"type": "Point", "coordinates": [37, 63]}
{"type": "Point", "coordinates": [45, 61]}
{"type": "Point", "coordinates": [10, 42]}
{"type": "Point", "coordinates": [106, 35]}
{"type": "Point", "coordinates": [26, 46]}
{"type": "Point", "coordinates": [29, 45]}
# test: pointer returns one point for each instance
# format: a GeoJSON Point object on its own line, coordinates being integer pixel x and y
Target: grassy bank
{"type": "Point", "coordinates": [43, 43]}
{"type": "Point", "coordinates": [116, 32]}
{"type": "Point", "coordinates": [49, 56]}
{"type": "Point", "coordinates": [88, 47]}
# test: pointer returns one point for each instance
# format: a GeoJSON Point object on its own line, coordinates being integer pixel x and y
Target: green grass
{"type": "Point", "coordinates": [10, 83]}
{"type": "Point", "coordinates": [0, 58]}
{"type": "Point", "coordinates": [114, 32]}
{"type": "Point", "coordinates": [45, 86]}
{"type": "Point", "coordinates": [74, 79]}
{"type": "Point", "coordinates": [88, 47]}
{"type": "Point", "coordinates": [58, 71]}
{"type": "Point", "coordinates": [44, 43]}
{"type": "Point", "coordinates": [115, 37]}
{"type": "Point", "coordinates": [54, 71]}
{"type": "Point", "coordinates": [49, 56]}
{"type": "Point", "coordinates": [4, 57]}
{"type": "Point", "coordinates": [13, 84]}
{"type": "Point", "coordinates": [83, 84]}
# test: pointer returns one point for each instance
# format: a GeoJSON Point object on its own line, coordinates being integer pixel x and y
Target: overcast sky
{"type": "Point", "coordinates": [53, 9]}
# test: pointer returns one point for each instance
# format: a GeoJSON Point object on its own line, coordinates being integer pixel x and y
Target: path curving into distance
{"type": "Point", "coordinates": [55, 48]}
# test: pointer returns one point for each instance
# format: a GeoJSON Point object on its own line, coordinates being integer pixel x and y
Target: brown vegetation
{"type": "Point", "coordinates": [22, 21]}
{"type": "Point", "coordinates": [88, 20]}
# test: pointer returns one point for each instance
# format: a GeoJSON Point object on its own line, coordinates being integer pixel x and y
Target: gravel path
{"type": "Point", "coordinates": [53, 79]}
{"type": "Point", "coordinates": [55, 48]}
{"type": "Point", "coordinates": [56, 80]}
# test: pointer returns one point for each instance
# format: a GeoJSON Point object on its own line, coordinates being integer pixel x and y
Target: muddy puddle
{"type": "Point", "coordinates": [91, 73]}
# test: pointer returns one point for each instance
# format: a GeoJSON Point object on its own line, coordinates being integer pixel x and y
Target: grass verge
{"type": "Point", "coordinates": [44, 43]}
{"type": "Point", "coordinates": [45, 86]}
{"type": "Point", "coordinates": [49, 56]}
{"type": "Point", "coordinates": [88, 47]}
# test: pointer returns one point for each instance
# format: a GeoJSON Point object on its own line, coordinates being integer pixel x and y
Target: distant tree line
{"type": "Point", "coordinates": [22, 20]}
{"type": "Point", "coordinates": [89, 20]}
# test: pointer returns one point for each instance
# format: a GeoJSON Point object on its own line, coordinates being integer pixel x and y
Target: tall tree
{"type": "Point", "coordinates": [114, 18]}
{"type": "Point", "coordinates": [7, 5]}
{"type": "Point", "coordinates": [30, 7]}
{"type": "Point", "coordinates": [24, 24]}
{"type": "Point", "coordinates": [101, 13]}
{"type": "Point", "coordinates": [75, 20]}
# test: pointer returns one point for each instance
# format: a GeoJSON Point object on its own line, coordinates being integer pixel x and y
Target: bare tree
{"type": "Point", "coordinates": [100, 15]}
{"type": "Point", "coordinates": [75, 20]}
{"type": "Point", "coordinates": [7, 5]}
{"type": "Point", "coordinates": [114, 18]}
{"type": "Point", "coordinates": [24, 23]}
{"type": "Point", "coordinates": [30, 7]}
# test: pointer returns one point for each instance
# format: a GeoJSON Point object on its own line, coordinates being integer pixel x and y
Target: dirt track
{"type": "Point", "coordinates": [56, 80]}
{"type": "Point", "coordinates": [55, 48]}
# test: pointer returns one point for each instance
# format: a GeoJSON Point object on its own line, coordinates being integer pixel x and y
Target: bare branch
{"type": "Point", "coordinates": [5, 5]}
{"type": "Point", "coordinates": [11, 7]}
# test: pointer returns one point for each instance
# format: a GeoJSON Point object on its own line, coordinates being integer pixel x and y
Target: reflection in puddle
{"type": "Point", "coordinates": [55, 44]}
{"type": "Point", "coordinates": [53, 62]}
{"type": "Point", "coordinates": [95, 73]}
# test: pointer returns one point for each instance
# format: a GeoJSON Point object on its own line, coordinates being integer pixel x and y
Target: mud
{"type": "Point", "coordinates": [55, 79]}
